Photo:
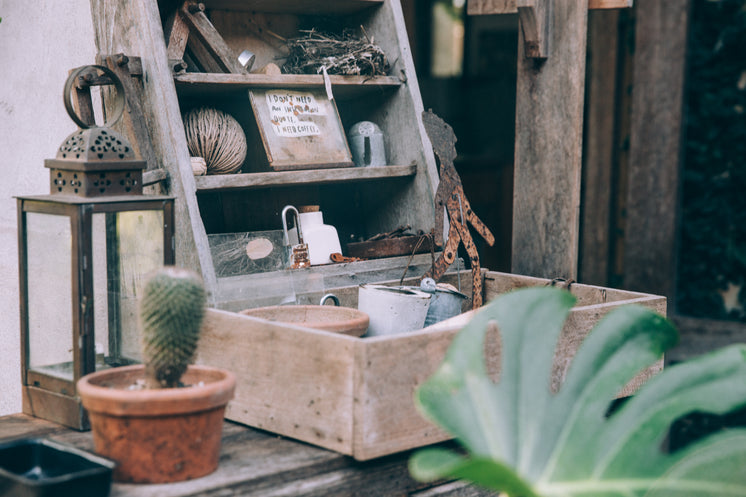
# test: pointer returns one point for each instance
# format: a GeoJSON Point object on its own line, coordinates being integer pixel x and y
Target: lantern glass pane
{"type": "Point", "coordinates": [50, 306]}
{"type": "Point", "coordinates": [134, 249]}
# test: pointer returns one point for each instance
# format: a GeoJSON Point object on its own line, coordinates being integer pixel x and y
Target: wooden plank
{"type": "Point", "coordinates": [154, 176]}
{"type": "Point", "coordinates": [655, 146]}
{"type": "Point", "coordinates": [489, 7]}
{"type": "Point", "coordinates": [210, 40]}
{"type": "Point", "coordinates": [294, 6]}
{"type": "Point", "coordinates": [289, 380]}
{"type": "Point", "coordinates": [599, 147]}
{"type": "Point", "coordinates": [255, 463]}
{"type": "Point", "coordinates": [177, 36]}
{"type": "Point", "coordinates": [593, 304]}
{"type": "Point", "coordinates": [533, 16]}
{"type": "Point", "coordinates": [700, 336]}
{"type": "Point", "coordinates": [134, 119]}
{"type": "Point", "coordinates": [549, 129]}
{"type": "Point", "coordinates": [309, 177]}
{"type": "Point", "coordinates": [221, 83]}
{"type": "Point", "coordinates": [112, 22]}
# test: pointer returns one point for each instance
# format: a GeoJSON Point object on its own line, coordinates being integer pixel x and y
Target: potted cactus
{"type": "Point", "coordinates": [161, 421]}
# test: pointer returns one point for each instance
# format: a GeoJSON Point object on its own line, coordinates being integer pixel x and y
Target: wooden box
{"type": "Point", "coordinates": [355, 395]}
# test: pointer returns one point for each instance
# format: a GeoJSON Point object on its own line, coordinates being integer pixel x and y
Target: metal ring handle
{"type": "Point", "coordinates": [118, 104]}
{"type": "Point", "coordinates": [330, 296]}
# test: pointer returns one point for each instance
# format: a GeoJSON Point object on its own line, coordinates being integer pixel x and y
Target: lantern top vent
{"type": "Point", "coordinates": [95, 161]}
{"type": "Point", "coordinates": [96, 144]}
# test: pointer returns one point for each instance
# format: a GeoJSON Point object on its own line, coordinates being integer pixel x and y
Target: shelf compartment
{"type": "Point", "coordinates": [247, 181]}
{"type": "Point", "coordinates": [197, 83]}
{"type": "Point", "coordinates": [294, 6]}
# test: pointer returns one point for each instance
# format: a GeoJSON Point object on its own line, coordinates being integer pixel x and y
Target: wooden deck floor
{"type": "Point", "coordinates": [257, 463]}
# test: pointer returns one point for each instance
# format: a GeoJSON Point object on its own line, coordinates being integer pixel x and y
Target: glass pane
{"type": "Point", "coordinates": [49, 259]}
{"type": "Point", "coordinates": [134, 248]}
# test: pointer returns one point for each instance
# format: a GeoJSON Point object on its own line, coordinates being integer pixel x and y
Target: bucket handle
{"type": "Point", "coordinates": [423, 237]}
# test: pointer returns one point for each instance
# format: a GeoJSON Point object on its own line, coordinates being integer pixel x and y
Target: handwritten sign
{"type": "Point", "coordinates": [299, 129]}
{"type": "Point", "coordinates": [291, 113]}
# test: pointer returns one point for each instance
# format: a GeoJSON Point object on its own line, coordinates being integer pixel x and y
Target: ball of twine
{"type": "Point", "coordinates": [217, 137]}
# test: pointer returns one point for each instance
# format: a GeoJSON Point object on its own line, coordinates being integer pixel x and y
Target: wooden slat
{"type": "Point", "coordinates": [113, 22]}
{"type": "Point", "coordinates": [342, 86]}
{"type": "Point", "coordinates": [599, 147]}
{"type": "Point", "coordinates": [655, 146]}
{"type": "Point", "coordinates": [549, 129]}
{"type": "Point", "coordinates": [700, 336]}
{"type": "Point", "coordinates": [215, 48]}
{"type": "Point", "coordinates": [284, 374]}
{"type": "Point", "coordinates": [488, 7]}
{"type": "Point", "coordinates": [154, 176]}
{"type": "Point", "coordinates": [260, 464]}
{"type": "Point", "coordinates": [294, 6]}
{"type": "Point", "coordinates": [296, 178]}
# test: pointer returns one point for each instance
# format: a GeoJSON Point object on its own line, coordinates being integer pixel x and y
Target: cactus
{"type": "Point", "coordinates": [171, 312]}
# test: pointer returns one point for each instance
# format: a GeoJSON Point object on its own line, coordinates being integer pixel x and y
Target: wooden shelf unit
{"type": "Point", "coordinates": [359, 201]}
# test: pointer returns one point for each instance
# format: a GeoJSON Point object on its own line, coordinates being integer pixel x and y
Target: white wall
{"type": "Point", "coordinates": [39, 42]}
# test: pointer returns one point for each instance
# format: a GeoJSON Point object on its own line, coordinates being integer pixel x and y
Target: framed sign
{"type": "Point", "coordinates": [300, 129]}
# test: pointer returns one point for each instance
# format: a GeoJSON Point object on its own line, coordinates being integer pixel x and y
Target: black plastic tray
{"type": "Point", "coordinates": [39, 467]}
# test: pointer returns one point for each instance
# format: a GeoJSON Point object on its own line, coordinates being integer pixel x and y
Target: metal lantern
{"type": "Point", "coordinates": [84, 251]}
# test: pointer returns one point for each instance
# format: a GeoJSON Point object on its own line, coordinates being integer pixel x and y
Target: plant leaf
{"type": "Point", "coordinates": [519, 434]}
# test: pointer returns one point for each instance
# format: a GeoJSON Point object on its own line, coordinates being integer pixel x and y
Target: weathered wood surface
{"type": "Point", "coordinates": [699, 336]}
{"type": "Point", "coordinates": [135, 29]}
{"type": "Point", "coordinates": [194, 83]}
{"type": "Point", "coordinates": [294, 6]}
{"type": "Point", "coordinates": [134, 119]}
{"type": "Point", "coordinates": [655, 146]}
{"type": "Point", "coordinates": [212, 51]}
{"type": "Point", "coordinates": [599, 147]}
{"type": "Point", "coordinates": [355, 395]}
{"type": "Point", "coordinates": [488, 7]}
{"type": "Point", "coordinates": [256, 463]}
{"type": "Point", "coordinates": [309, 177]}
{"type": "Point", "coordinates": [549, 129]}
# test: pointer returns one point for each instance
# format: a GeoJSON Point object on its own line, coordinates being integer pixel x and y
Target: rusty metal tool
{"type": "Point", "coordinates": [450, 197]}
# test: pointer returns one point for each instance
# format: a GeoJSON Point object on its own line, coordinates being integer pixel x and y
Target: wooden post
{"type": "Point", "coordinates": [655, 146]}
{"type": "Point", "coordinates": [549, 128]}
{"type": "Point", "coordinates": [112, 20]}
{"type": "Point", "coordinates": [599, 148]}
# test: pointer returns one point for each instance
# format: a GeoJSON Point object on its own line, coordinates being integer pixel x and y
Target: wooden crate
{"type": "Point", "coordinates": [355, 395]}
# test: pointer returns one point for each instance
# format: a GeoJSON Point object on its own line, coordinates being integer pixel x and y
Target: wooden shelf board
{"type": "Point", "coordinates": [342, 86]}
{"type": "Point", "coordinates": [297, 178]}
{"type": "Point", "coordinates": [491, 7]}
{"type": "Point", "coordinates": [294, 6]}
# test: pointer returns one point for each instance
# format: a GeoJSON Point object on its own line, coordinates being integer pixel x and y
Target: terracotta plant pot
{"type": "Point", "coordinates": [157, 436]}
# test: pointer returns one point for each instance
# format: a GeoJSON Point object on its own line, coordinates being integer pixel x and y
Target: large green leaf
{"type": "Point", "coordinates": [527, 442]}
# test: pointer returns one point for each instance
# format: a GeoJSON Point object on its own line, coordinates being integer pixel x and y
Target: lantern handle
{"type": "Point", "coordinates": [118, 103]}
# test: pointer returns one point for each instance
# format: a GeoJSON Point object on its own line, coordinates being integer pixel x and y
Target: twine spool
{"type": "Point", "coordinates": [217, 137]}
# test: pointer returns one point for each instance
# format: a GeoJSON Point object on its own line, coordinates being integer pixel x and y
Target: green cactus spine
{"type": "Point", "coordinates": [171, 312]}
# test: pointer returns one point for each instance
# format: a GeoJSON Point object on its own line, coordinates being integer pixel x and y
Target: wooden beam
{"type": "Point", "coordinates": [212, 46]}
{"type": "Point", "coordinates": [600, 145]}
{"type": "Point", "coordinates": [534, 16]}
{"type": "Point", "coordinates": [112, 20]}
{"type": "Point", "coordinates": [549, 128]}
{"type": "Point", "coordinates": [655, 146]}
{"type": "Point", "coordinates": [488, 7]}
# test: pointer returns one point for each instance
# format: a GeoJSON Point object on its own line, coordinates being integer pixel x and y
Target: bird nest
{"type": "Point", "coordinates": [344, 54]}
